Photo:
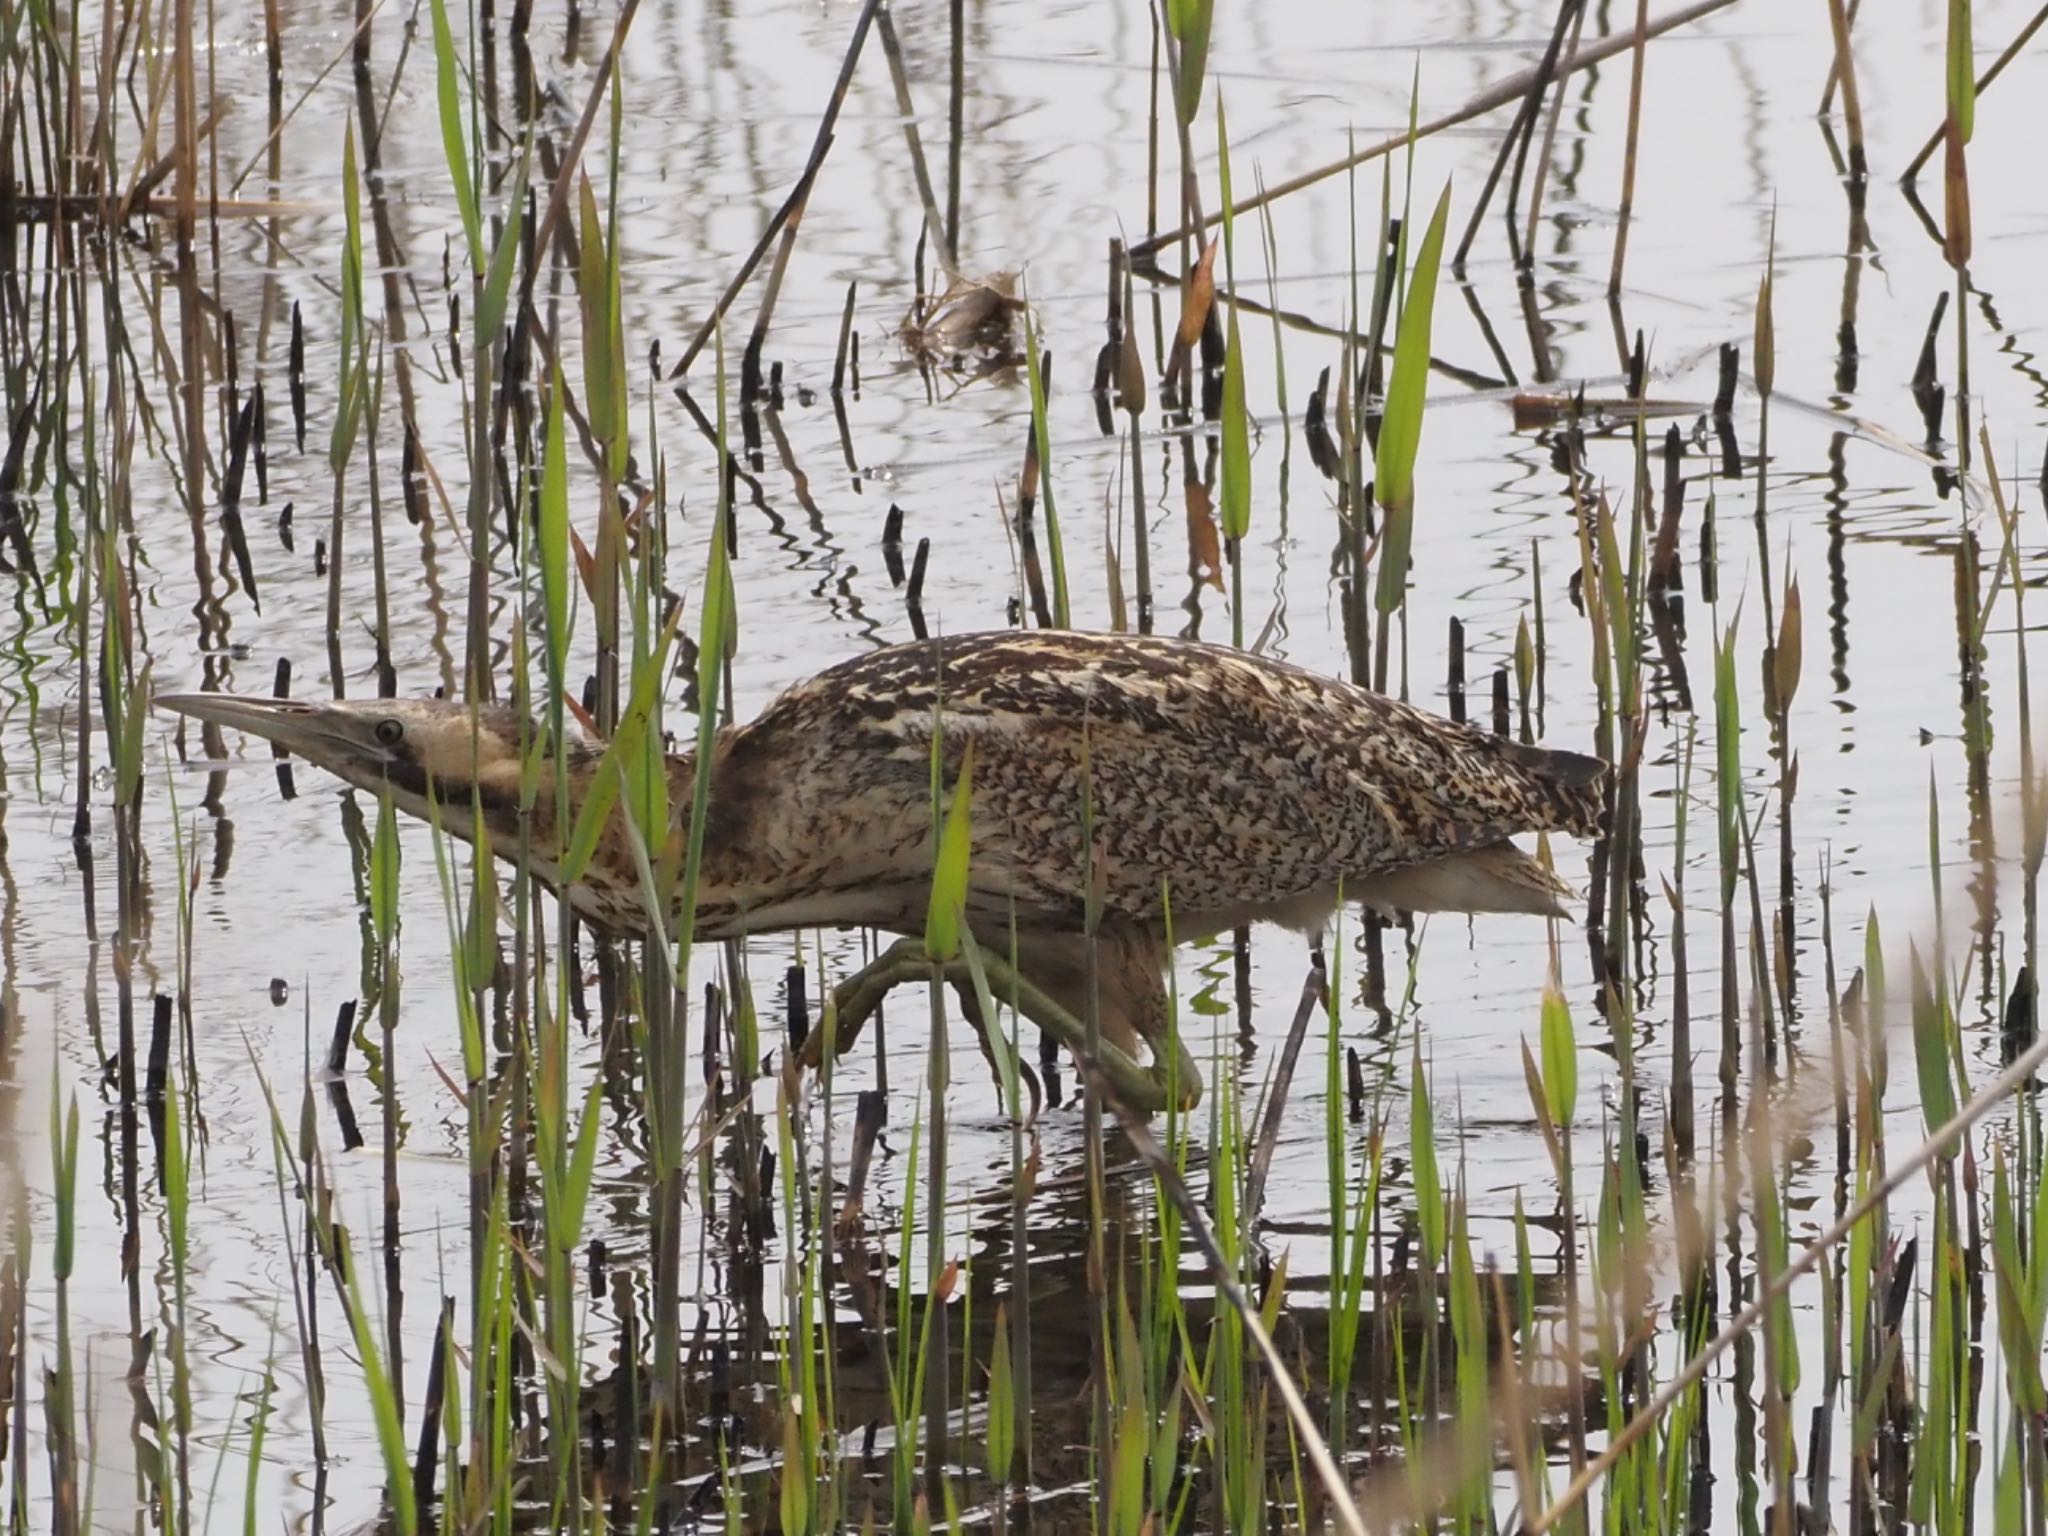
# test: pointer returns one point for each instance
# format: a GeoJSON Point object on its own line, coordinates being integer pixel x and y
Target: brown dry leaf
{"type": "Point", "coordinates": [1955, 199]}
{"type": "Point", "coordinates": [1197, 294]}
{"type": "Point", "coordinates": [586, 564]}
{"type": "Point", "coordinates": [1764, 346]}
{"type": "Point", "coordinates": [1205, 545]}
{"type": "Point", "coordinates": [448, 1080]}
{"type": "Point", "coordinates": [1790, 630]}
{"type": "Point", "coordinates": [633, 516]}
{"type": "Point", "coordinates": [1027, 478]}
{"type": "Point", "coordinates": [948, 1278]}
{"type": "Point", "coordinates": [583, 718]}
{"type": "Point", "coordinates": [1130, 374]}
{"type": "Point", "coordinates": [1540, 1099]}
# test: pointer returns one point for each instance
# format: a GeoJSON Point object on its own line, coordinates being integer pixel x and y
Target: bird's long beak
{"type": "Point", "coordinates": [327, 734]}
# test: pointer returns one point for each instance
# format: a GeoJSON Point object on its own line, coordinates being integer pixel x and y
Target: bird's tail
{"type": "Point", "coordinates": [1496, 878]}
{"type": "Point", "coordinates": [1571, 786]}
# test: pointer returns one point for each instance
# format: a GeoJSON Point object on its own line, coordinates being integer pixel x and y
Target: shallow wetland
{"type": "Point", "coordinates": [640, 360]}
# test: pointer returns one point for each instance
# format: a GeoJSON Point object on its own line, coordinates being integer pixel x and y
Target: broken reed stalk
{"type": "Point", "coordinates": [1315, 995]}
{"type": "Point", "coordinates": [1131, 390]}
{"type": "Point", "coordinates": [1844, 75]}
{"type": "Point", "coordinates": [1549, 138]}
{"type": "Point", "coordinates": [841, 352]}
{"type": "Point", "coordinates": [391, 256]}
{"type": "Point", "coordinates": [270, 150]}
{"type": "Point", "coordinates": [939, 227]}
{"type": "Point", "coordinates": [184, 128]}
{"type": "Point", "coordinates": [1179, 367]}
{"type": "Point", "coordinates": [757, 339]}
{"type": "Point", "coordinates": [1827, 91]}
{"type": "Point", "coordinates": [139, 194]}
{"type": "Point", "coordinates": [791, 205]}
{"type": "Point", "coordinates": [1308, 325]}
{"type": "Point", "coordinates": [1681, 1089]}
{"type": "Point", "coordinates": [387, 674]}
{"type": "Point", "coordinates": [1514, 145]}
{"type": "Point", "coordinates": [557, 207]}
{"type": "Point", "coordinates": [956, 114]}
{"type": "Point", "coordinates": [1488, 100]}
{"type": "Point", "coordinates": [1152, 133]}
{"type": "Point", "coordinates": [1628, 155]}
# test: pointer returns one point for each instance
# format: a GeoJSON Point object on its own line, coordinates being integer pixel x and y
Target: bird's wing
{"type": "Point", "coordinates": [1206, 777]}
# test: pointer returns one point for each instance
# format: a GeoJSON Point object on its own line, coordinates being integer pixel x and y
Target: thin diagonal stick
{"type": "Point", "coordinates": [791, 205]}
{"type": "Point", "coordinates": [1349, 1520]}
{"type": "Point", "coordinates": [572, 154]}
{"type": "Point", "coordinates": [935, 223]}
{"type": "Point", "coordinates": [1509, 90]}
{"type": "Point", "coordinates": [1980, 1105]}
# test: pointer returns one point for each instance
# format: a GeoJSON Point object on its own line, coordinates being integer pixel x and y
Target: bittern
{"type": "Point", "coordinates": [1219, 789]}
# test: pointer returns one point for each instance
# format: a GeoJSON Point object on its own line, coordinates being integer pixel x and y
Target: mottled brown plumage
{"type": "Point", "coordinates": [1219, 788]}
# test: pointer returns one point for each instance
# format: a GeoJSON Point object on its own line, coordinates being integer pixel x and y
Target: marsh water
{"type": "Point", "coordinates": [247, 907]}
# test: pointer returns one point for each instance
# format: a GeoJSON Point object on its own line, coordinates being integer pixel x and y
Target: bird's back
{"type": "Point", "coordinates": [1223, 782]}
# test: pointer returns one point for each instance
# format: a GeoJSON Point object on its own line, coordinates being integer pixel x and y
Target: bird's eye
{"type": "Point", "coordinates": [389, 732]}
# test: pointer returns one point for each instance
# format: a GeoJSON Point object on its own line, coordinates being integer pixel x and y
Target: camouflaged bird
{"type": "Point", "coordinates": [1219, 789]}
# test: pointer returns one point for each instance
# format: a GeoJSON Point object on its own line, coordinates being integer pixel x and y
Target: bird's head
{"type": "Point", "coordinates": [466, 756]}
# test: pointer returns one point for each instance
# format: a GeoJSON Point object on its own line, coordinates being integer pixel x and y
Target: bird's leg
{"type": "Point", "coordinates": [1130, 986]}
{"type": "Point", "coordinates": [1130, 993]}
{"type": "Point", "coordinates": [856, 998]}
{"type": "Point", "coordinates": [854, 1001]}
{"type": "Point", "coordinates": [970, 1009]}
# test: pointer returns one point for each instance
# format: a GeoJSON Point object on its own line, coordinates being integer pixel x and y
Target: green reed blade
{"type": "Point", "coordinates": [1429, 1192]}
{"type": "Point", "coordinates": [622, 759]}
{"type": "Point", "coordinates": [1931, 1025]}
{"type": "Point", "coordinates": [455, 133]}
{"type": "Point", "coordinates": [490, 304]}
{"type": "Point", "coordinates": [2019, 1323]}
{"type": "Point", "coordinates": [384, 1411]}
{"type": "Point", "coordinates": [1237, 447]}
{"type": "Point", "coordinates": [353, 370]}
{"type": "Point", "coordinates": [1560, 1058]}
{"type": "Point", "coordinates": [384, 859]}
{"type": "Point", "coordinates": [1962, 70]}
{"type": "Point", "coordinates": [944, 915]}
{"type": "Point", "coordinates": [1400, 437]}
{"type": "Point", "coordinates": [553, 546]}
{"type": "Point", "coordinates": [1190, 22]}
{"type": "Point", "coordinates": [1042, 437]}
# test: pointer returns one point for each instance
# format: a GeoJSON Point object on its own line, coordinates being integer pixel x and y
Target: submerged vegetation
{"type": "Point", "coordinates": [358, 362]}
